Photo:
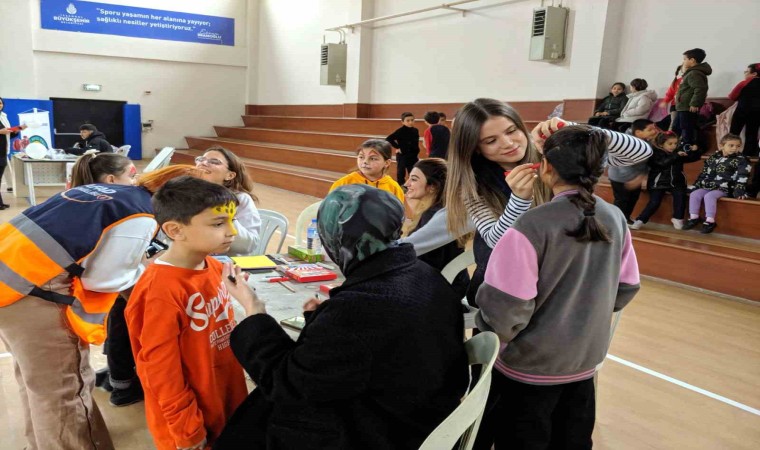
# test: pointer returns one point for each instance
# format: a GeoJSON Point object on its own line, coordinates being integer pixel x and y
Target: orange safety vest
{"type": "Point", "coordinates": [46, 240]}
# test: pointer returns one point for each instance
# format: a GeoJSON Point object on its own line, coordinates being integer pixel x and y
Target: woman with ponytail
{"type": "Point", "coordinates": [552, 284]}
{"type": "Point", "coordinates": [108, 168]}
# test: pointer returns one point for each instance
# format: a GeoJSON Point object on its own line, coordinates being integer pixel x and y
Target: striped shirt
{"type": "Point", "coordinates": [622, 150]}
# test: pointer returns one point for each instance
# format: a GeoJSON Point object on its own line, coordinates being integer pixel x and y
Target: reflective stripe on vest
{"type": "Point", "coordinates": [42, 240]}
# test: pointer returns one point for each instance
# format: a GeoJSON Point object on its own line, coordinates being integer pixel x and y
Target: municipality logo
{"type": "Point", "coordinates": [205, 34]}
{"type": "Point", "coordinates": [70, 18]}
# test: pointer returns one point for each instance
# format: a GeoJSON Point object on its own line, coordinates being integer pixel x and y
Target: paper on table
{"type": "Point", "coordinates": [254, 262]}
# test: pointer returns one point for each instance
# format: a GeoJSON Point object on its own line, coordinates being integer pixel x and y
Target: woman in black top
{"type": "Point", "coordinates": [426, 185]}
{"type": "Point", "coordinates": [5, 145]}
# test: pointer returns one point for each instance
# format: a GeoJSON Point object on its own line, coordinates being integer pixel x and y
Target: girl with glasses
{"type": "Point", "coordinates": [221, 166]}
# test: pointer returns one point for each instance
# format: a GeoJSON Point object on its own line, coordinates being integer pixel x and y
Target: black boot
{"type": "Point", "coordinates": [127, 396]}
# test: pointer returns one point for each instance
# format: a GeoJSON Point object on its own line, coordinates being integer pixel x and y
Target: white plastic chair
{"type": "Point", "coordinates": [271, 221]}
{"type": "Point", "coordinates": [462, 424]}
{"type": "Point", "coordinates": [163, 159]}
{"type": "Point", "coordinates": [451, 271]}
{"type": "Point", "coordinates": [123, 150]}
{"type": "Point", "coordinates": [303, 222]}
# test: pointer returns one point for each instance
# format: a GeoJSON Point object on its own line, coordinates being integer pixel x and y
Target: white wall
{"type": "Point", "coordinates": [444, 57]}
{"type": "Point", "coordinates": [193, 86]}
{"type": "Point", "coordinates": [655, 33]}
{"type": "Point", "coordinates": [290, 35]}
{"type": "Point", "coordinates": [186, 99]}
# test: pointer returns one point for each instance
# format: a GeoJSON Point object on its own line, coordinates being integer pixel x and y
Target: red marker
{"type": "Point", "coordinates": [277, 280]}
{"type": "Point", "coordinates": [532, 166]}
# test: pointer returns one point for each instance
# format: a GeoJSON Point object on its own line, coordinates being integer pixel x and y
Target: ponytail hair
{"type": "Point", "coordinates": [153, 181]}
{"type": "Point", "coordinates": [577, 153]}
{"type": "Point", "coordinates": [93, 167]}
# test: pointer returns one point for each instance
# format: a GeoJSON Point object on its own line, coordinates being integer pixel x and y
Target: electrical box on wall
{"type": "Point", "coordinates": [333, 64]}
{"type": "Point", "coordinates": [548, 30]}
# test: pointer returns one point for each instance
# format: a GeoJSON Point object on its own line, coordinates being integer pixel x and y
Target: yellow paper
{"type": "Point", "coordinates": [254, 262]}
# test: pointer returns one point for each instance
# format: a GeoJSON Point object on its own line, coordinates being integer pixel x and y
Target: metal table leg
{"type": "Point", "coordinates": [30, 183]}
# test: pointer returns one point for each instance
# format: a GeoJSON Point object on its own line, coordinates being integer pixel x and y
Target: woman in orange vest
{"type": "Point", "coordinates": [62, 264]}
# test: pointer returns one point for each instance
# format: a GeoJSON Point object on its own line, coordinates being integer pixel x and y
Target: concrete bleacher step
{"type": "Point", "coordinates": [334, 141]}
{"type": "Point", "coordinates": [715, 262]}
{"type": "Point", "coordinates": [379, 127]}
{"type": "Point", "coordinates": [322, 159]}
{"type": "Point", "coordinates": [305, 180]}
{"type": "Point", "coordinates": [735, 217]}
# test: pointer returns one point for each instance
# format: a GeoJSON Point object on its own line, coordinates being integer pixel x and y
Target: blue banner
{"type": "Point", "coordinates": [105, 18]}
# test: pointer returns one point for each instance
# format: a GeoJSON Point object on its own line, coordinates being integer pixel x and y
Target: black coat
{"type": "Point", "coordinates": [440, 257]}
{"type": "Point", "coordinates": [612, 105]}
{"type": "Point", "coordinates": [666, 169]}
{"type": "Point", "coordinates": [97, 140]}
{"type": "Point", "coordinates": [378, 366]}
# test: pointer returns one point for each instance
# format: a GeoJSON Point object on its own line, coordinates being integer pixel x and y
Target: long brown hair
{"type": "Point", "coordinates": [471, 175]}
{"type": "Point", "coordinates": [435, 171]}
{"type": "Point", "coordinates": [152, 181]}
{"type": "Point", "coordinates": [242, 181]}
{"type": "Point", "coordinates": [577, 154]}
{"type": "Point", "coordinates": [92, 167]}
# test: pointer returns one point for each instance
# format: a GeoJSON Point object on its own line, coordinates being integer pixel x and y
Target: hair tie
{"type": "Point", "coordinates": [589, 213]}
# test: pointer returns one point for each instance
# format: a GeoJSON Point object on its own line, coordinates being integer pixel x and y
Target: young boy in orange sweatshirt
{"type": "Point", "coordinates": [180, 319]}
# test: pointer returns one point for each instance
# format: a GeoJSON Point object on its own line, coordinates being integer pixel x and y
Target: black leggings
{"type": "Point", "coordinates": [655, 199]}
{"type": "Point", "coordinates": [537, 417]}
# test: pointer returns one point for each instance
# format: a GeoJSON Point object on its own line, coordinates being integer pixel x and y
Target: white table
{"type": "Point", "coordinates": [22, 165]}
{"type": "Point", "coordinates": [283, 304]}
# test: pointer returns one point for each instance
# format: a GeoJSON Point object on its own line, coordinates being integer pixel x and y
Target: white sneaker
{"type": "Point", "coordinates": [677, 224]}
{"type": "Point", "coordinates": [636, 225]}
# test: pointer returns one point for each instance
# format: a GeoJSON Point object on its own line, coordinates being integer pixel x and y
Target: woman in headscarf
{"type": "Point", "coordinates": [378, 365]}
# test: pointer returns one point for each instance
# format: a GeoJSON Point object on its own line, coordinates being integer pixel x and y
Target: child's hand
{"type": "Point", "coordinates": [235, 280]}
{"type": "Point", "coordinates": [520, 181]}
{"type": "Point", "coordinates": [545, 129]}
{"type": "Point", "coordinates": [683, 154]}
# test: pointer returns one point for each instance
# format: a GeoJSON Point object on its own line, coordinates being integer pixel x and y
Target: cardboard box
{"type": "Point", "coordinates": [305, 254]}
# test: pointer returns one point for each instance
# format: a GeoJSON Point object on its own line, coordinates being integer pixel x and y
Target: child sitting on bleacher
{"type": "Point", "coordinates": [373, 159]}
{"type": "Point", "coordinates": [725, 174]}
{"type": "Point", "coordinates": [666, 175]}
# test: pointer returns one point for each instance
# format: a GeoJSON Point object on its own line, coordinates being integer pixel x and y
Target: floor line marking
{"type": "Point", "coordinates": [5, 355]}
{"type": "Point", "coordinates": [686, 385]}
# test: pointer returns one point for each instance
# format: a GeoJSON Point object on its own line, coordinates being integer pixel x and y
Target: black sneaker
{"type": "Point", "coordinates": [10, 189]}
{"type": "Point", "coordinates": [102, 380]}
{"type": "Point", "coordinates": [689, 224]}
{"type": "Point", "coordinates": [128, 396]}
{"type": "Point", "coordinates": [708, 227]}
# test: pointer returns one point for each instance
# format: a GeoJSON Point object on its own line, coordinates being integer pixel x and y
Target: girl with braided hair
{"type": "Point", "coordinates": [551, 286]}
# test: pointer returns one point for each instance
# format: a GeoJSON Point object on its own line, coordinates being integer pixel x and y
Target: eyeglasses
{"type": "Point", "coordinates": [211, 161]}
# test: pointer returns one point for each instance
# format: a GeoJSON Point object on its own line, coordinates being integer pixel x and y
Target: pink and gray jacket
{"type": "Point", "coordinates": [550, 298]}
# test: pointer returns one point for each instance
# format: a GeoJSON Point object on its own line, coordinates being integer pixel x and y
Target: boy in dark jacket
{"type": "Point", "coordinates": [610, 108]}
{"type": "Point", "coordinates": [407, 140]}
{"type": "Point", "coordinates": [91, 139]}
{"type": "Point", "coordinates": [378, 366]}
{"type": "Point", "coordinates": [666, 175]}
{"type": "Point", "coordinates": [691, 95]}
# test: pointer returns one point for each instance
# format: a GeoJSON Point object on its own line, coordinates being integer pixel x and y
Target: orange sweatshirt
{"type": "Point", "coordinates": [385, 183]}
{"type": "Point", "coordinates": [179, 323]}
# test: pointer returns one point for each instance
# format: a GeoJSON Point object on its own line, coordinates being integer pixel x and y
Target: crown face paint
{"type": "Point", "coordinates": [229, 209]}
